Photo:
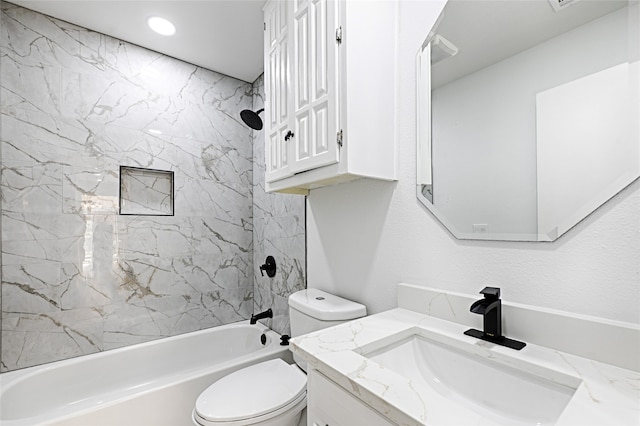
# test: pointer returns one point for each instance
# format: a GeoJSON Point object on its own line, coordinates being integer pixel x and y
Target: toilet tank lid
{"type": "Point", "coordinates": [324, 306]}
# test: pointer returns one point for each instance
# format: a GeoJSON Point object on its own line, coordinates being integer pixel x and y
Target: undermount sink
{"type": "Point", "coordinates": [499, 388]}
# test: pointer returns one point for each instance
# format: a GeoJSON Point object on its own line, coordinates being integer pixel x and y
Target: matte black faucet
{"type": "Point", "coordinates": [266, 314]}
{"type": "Point", "coordinates": [491, 310]}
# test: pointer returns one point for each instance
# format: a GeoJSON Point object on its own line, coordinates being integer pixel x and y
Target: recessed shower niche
{"type": "Point", "coordinates": [146, 192]}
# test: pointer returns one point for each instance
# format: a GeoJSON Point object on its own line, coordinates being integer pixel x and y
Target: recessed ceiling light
{"type": "Point", "coordinates": [161, 25]}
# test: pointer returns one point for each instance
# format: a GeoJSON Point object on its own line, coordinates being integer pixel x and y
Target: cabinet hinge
{"type": "Point", "coordinates": [339, 139]}
{"type": "Point", "coordinates": [265, 26]}
{"type": "Point", "coordinates": [339, 35]}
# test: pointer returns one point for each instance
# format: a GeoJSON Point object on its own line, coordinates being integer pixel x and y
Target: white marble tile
{"type": "Point", "coordinates": [81, 287]}
{"type": "Point", "coordinates": [37, 138]}
{"type": "Point", "coordinates": [23, 87]}
{"type": "Point", "coordinates": [35, 188]}
{"type": "Point", "coordinates": [38, 40]}
{"type": "Point", "coordinates": [156, 236]}
{"type": "Point", "coordinates": [28, 226]}
{"type": "Point", "coordinates": [32, 347]}
{"type": "Point", "coordinates": [89, 191]}
{"type": "Point", "coordinates": [30, 339]}
{"type": "Point", "coordinates": [31, 252]}
{"type": "Point", "coordinates": [135, 148]}
{"type": "Point", "coordinates": [279, 231]}
{"type": "Point", "coordinates": [130, 60]}
{"type": "Point", "coordinates": [112, 101]}
{"type": "Point", "coordinates": [128, 324]}
{"type": "Point", "coordinates": [76, 106]}
{"type": "Point", "coordinates": [140, 279]}
{"type": "Point", "coordinates": [204, 198]}
{"type": "Point", "coordinates": [31, 288]}
{"type": "Point", "coordinates": [225, 234]}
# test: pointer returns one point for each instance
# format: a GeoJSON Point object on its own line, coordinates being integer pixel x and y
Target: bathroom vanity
{"type": "Point", "coordinates": [322, 126]}
{"type": "Point", "coordinates": [414, 366]}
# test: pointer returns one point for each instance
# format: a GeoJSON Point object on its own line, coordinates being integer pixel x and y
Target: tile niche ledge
{"type": "Point", "coordinates": [606, 377]}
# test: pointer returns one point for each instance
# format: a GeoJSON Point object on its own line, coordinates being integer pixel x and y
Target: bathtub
{"type": "Point", "coordinates": [154, 383]}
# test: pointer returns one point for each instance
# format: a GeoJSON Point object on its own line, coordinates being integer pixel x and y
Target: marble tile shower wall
{"type": "Point", "coordinates": [279, 231]}
{"type": "Point", "coordinates": [77, 277]}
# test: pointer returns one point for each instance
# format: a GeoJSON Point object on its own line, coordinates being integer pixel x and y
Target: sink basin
{"type": "Point", "coordinates": [498, 388]}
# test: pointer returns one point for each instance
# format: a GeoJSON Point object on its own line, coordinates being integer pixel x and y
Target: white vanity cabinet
{"type": "Point", "coordinates": [330, 92]}
{"type": "Point", "coordinates": [330, 405]}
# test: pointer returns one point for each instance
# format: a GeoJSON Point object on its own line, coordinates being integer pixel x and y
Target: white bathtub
{"type": "Point", "coordinates": [154, 383]}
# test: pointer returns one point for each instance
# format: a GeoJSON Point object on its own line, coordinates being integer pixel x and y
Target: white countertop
{"type": "Point", "coordinates": [605, 395]}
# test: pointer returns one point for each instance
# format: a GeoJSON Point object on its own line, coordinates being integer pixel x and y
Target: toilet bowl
{"type": "Point", "coordinates": [273, 393]}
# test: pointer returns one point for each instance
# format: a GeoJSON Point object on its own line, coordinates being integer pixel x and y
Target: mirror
{"type": "Point", "coordinates": [528, 114]}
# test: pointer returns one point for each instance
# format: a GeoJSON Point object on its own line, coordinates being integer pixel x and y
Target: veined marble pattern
{"type": "Point", "coordinates": [604, 394]}
{"type": "Point", "coordinates": [279, 231]}
{"type": "Point", "coordinates": [77, 277]}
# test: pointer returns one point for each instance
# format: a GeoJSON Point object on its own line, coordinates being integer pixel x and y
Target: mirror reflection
{"type": "Point", "coordinates": [527, 114]}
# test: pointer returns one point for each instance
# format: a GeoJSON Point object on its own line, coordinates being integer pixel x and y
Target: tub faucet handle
{"type": "Point", "coordinates": [269, 267]}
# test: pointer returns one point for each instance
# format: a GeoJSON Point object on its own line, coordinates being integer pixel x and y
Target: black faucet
{"type": "Point", "coordinates": [266, 314]}
{"type": "Point", "coordinates": [491, 310]}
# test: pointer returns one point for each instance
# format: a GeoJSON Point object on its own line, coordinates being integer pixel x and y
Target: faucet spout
{"type": "Point", "coordinates": [266, 314]}
{"type": "Point", "coordinates": [491, 311]}
{"type": "Point", "coordinates": [482, 306]}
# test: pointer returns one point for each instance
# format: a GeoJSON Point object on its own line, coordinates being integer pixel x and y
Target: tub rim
{"type": "Point", "coordinates": [103, 400]}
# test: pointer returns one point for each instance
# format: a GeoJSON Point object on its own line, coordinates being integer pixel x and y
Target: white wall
{"type": "Point", "coordinates": [366, 236]}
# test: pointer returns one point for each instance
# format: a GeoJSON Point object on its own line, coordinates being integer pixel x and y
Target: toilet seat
{"type": "Point", "coordinates": [255, 393]}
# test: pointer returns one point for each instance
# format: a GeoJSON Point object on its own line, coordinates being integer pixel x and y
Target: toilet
{"type": "Point", "coordinates": [274, 393]}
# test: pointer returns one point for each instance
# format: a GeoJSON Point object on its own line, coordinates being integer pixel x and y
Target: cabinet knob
{"type": "Point", "coordinates": [288, 136]}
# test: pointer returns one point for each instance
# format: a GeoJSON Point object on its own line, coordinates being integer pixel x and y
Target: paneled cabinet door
{"type": "Point", "coordinates": [315, 77]}
{"type": "Point", "coordinates": [277, 83]}
{"type": "Point", "coordinates": [301, 83]}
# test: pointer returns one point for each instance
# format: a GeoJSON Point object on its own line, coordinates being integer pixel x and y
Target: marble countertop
{"type": "Point", "coordinates": [605, 394]}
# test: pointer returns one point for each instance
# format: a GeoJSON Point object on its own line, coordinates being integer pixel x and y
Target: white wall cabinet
{"type": "Point", "coordinates": [330, 89]}
{"type": "Point", "coordinates": [330, 405]}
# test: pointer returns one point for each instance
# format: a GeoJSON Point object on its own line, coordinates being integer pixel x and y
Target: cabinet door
{"type": "Point", "coordinates": [315, 76]}
{"type": "Point", "coordinates": [330, 405]}
{"type": "Point", "coordinates": [277, 83]}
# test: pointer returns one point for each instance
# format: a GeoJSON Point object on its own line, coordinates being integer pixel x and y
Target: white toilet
{"type": "Point", "coordinates": [274, 393]}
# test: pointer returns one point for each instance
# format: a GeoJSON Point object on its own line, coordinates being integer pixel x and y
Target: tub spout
{"type": "Point", "coordinates": [266, 314]}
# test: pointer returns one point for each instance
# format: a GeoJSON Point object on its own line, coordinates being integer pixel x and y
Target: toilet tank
{"type": "Point", "coordinates": [312, 309]}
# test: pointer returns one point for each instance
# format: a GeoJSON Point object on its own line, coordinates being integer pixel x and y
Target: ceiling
{"type": "Point", "coordinates": [220, 35]}
{"type": "Point", "coordinates": [487, 31]}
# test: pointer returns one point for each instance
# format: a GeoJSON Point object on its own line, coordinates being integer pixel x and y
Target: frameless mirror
{"type": "Point", "coordinates": [528, 114]}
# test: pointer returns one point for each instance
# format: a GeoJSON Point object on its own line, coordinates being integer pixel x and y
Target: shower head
{"type": "Point", "coordinates": [251, 118]}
